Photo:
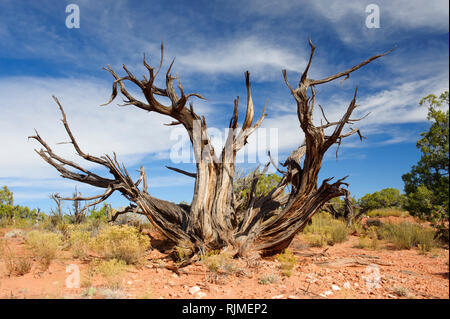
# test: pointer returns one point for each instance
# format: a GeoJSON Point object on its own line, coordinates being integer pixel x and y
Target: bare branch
{"type": "Point", "coordinates": [352, 69]}
{"type": "Point", "coordinates": [182, 172]}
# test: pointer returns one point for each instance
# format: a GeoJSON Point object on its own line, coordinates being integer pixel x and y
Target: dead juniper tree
{"type": "Point", "coordinates": [213, 221]}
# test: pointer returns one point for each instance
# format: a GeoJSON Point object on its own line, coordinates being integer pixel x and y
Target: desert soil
{"type": "Point", "coordinates": [339, 271]}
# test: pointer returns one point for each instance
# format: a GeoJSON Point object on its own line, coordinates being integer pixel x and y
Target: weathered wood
{"type": "Point", "coordinates": [213, 220]}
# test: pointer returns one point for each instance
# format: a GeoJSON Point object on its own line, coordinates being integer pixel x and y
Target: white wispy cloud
{"type": "Point", "coordinates": [129, 131]}
{"type": "Point", "coordinates": [237, 55]}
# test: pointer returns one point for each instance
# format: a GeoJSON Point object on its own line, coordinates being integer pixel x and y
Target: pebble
{"type": "Point", "coordinates": [347, 285]}
{"type": "Point", "coordinates": [194, 289]}
{"type": "Point", "coordinates": [200, 295]}
{"type": "Point", "coordinates": [335, 287]}
{"type": "Point", "coordinates": [278, 297]}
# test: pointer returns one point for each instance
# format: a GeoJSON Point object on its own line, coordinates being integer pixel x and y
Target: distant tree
{"type": "Point", "coordinates": [427, 184]}
{"type": "Point", "coordinates": [6, 196]}
{"type": "Point", "coordinates": [385, 198]}
{"type": "Point", "coordinates": [103, 214]}
{"type": "Point", "coordinates": [8, 210]}
{"type": "Point", "coordinates": [253, 185]}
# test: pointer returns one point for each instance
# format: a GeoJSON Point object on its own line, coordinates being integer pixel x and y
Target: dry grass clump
{"type": "Point", "coordinates": [44, 246]}
{"type": "Point", "coordinates": [287, 262]}
{"type": "Point", "coordinates": [325, 230]}
{"type": "Point", "coordinates": [400, 291]}
{"type": "Point", "coordinates": [79, 241]}
{"type": "Point", "coordinates": [386, 212]}
{"type": "Point", "coordinates": [407, 235]}
{"type": "Point", "coordinates": [268, 279]}
{"type": "Point", "coordinates": [315, 240]}
{"type": "Point", "coordinates": [112, 271]}
{"type": "Point", "coordinates": [122, 243]}
{"type": "Point", "coordinates": [369, 239]}
{"type": "Point", "coordinates": [368, 243]}
{"type": "Point", "coordinates": [219, 262]}
{"type": "Point", "coordinates": [220, 266]}
{"type": "Point", "coordinates": [182, 251]}
{"type": "Point", "coordinates": [15, 265]}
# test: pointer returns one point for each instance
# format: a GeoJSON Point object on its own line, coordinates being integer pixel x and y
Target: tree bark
{"type": "Point", "coordinates": [214, 220]}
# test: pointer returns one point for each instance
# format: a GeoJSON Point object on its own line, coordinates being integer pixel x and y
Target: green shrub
{"type": "Point", "coordinates": [338, 233]}
{"type": "Point", "coordinates": [79, 241]}
{"type": "Point", "coordinates": [268, 279]}
{"type": "Point", "coordinates": [287, 262]}
{"type": "Point", "coordinates": [315, 240]}
{"type": "Point", "coordinates": [368, 243]}
{"type": "Point", "coordinates": [112, 270]}
{"type": "Point", "coordinates": [385, 198]}
{"type": "Point", "coordinates": [182, 251]}
{"type": "Point", "coordinates": [407, 235]}
{"type": "Point", "coordinates": [44, 245]}
{"type": "Point", "coordinates": [356, 228]}
{"type": "Point", "coordinates": [122, 243]}
{"type": "Point", "coordinates": [330, 229]}
{"type": "Point", "coordinates": [386, 212]}
{"type": "Point", "coordinates": [219, 262]}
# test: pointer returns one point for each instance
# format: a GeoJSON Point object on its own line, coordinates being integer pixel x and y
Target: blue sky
{"type": "Point", "coordinates": [214, 43]}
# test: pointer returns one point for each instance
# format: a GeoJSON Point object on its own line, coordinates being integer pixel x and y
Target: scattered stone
{"type": "Point", "coordinates": [200, 295]}
{"type": "Point", "coordinates": [292, 297]}
{"type": "Point", "coordinates": [326, 294]}
{"type": "Point", "coordinates": [278, 297]}
{"type": "Point", "coordinates": [112, 294]}
{"type": "Point", "coordinates": [335, 287]}
{"type": "Point", "coordinates": [15, 233]}
{"type": "Point", "coordinates": [129, 282]}
{"type": "Point", "coordinates": [347, 285]}
{"type": "Point", "coordinates": [194, 289]}
{"type": "Point", "coordinates": [356, 284]}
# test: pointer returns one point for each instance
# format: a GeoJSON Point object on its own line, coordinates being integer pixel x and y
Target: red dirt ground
{"type": "Point", "coordinates": [352, 272]}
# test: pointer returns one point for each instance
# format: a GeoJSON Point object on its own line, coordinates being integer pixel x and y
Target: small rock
{"type": "Point", "coordinates": [356, 284]}
{"type": "Point", "coordinates": [174, 275]}
{"type": "Point", "coordinates": [347, 285]}
{"type": "Point", "coordinates": [15, 233]}
{"type": "Point", "coordinates": [292, 297]}
{"type": "Point", "coordinates": [278, 297]}
{"type": "Point", "coordinates": [56, 282]}
{"type": "Point", "coordinates": [326, 294]}
{"type": "Point", "coordinates": [194, 289]}
{"type": "Point", "coordinates": [129, 282]}
{"type": "Point", "coordinates": [200, 295]}
{"type": "Point", "coordinates": [335, 287]}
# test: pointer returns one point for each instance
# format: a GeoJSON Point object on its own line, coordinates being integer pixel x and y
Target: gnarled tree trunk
{"type": "Point", "coordinates": [215, 218]}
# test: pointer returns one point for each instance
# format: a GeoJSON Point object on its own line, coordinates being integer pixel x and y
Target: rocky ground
{"type": "Point", "coordinates": [339, 271]}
